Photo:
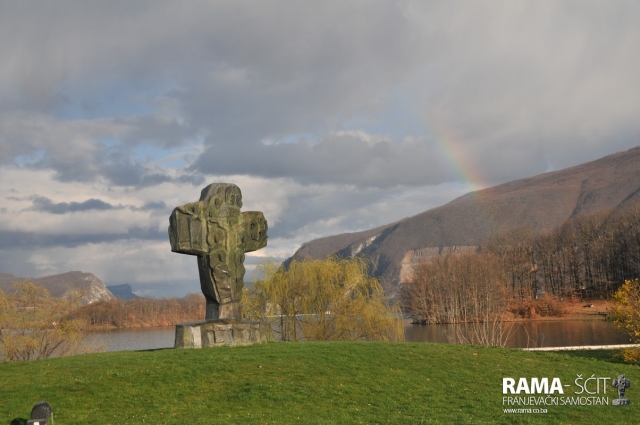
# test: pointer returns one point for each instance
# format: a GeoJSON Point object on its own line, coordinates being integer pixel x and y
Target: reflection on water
{"type": "Point", "coordinates": [525, 334]}
{"type": "Point", "coordinates": [532, 334]}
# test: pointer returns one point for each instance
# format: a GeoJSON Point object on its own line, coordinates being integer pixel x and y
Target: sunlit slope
{"type": "Point", "coordinates": [540, 202]}
{"type": "Point", "coordinates": [93, 289]}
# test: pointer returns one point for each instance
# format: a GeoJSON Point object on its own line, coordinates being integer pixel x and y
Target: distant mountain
{"type": "Point", "coordinates": [541, 203]}
{"type": "Point", "coordinates": [124, 291]}
{"type": "Point", "coordinates": [60, 285]}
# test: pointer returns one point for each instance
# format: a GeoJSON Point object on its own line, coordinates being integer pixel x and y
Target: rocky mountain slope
{"type": "Point", "coordinates": [123, 292]}
{"type": "Point", "coordinates": [59, 285]}
{"type": "Point", "coordinates": [540, 202]}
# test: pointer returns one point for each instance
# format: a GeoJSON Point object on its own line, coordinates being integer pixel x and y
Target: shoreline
{"type": "Point", "coordinates": [596, 309]}
{"type": "Point", "coordinates": [587, 310]}
{"type": "Point", "coordinates": [573, 311]}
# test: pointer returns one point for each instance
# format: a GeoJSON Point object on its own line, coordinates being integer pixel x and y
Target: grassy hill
{"type": "Point", "coordinates": [307, 383]}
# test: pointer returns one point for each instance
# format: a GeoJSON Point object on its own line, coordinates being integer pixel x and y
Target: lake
{"type": "Point", "coordinates": [523, 335]}
{"type": "Point", "coordinates": [533, 334]}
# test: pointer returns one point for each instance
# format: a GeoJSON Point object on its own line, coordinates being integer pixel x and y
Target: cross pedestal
{"type": "Point", "coordinates": [221, 332]}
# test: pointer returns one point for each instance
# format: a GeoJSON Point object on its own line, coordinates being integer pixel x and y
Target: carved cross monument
{"type": "Point", "coordinates": [219, 234]}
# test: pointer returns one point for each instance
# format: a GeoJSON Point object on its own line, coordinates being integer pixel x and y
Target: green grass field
{"type": "Point", "coordinates": [307, 383]}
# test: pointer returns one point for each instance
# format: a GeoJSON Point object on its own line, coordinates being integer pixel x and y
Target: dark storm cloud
{"type": "Point", "coordinates": [231, 81]}
{"type": "Point", "coordinates": [352, 114]}
{"type": "Point", "coordinates": [44, 204]}
{"type": "Point", "coordinates": [514, 83]}
{"type": "Point", "coordinates": [191, 178]}
{"type": "Point", "coordinates": [69, 148]}
{"type": "Point", "coordinates": [342, 158]}
{"type": "Point", "coordinates": [509, 85]}
{"type": "Point", "coordinates": [22, 239]}
{"type": "Point", "coordinates": [159, 129]}
{"type": "Point", "coordinates": [87, 162]}
{"type": "Point", "coordinates": [311, 210]}
{"type": "Point", "coordinates": [132, 173]}
{"type": "Point", "coordinates": [153, 206]}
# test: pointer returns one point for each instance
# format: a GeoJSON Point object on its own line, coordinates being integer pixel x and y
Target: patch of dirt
{"type": "Point", "coordinates": [591, 309]}
{"type": "Point", "coordinates": [578, 310]}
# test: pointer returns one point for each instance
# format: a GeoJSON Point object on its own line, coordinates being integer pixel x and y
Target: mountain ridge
{"type": "Point", "coordinates": [60, 285]}
{"type": "Point", "coordinates": [540, 202]}
{"type": "Point", "coordinates": [123, 291]}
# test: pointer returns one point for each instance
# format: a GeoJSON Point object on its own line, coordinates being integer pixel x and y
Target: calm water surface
{"type": "Point", "coordinates": [528, 334]}
{"type": "Point", "coordinates": [532, 334]}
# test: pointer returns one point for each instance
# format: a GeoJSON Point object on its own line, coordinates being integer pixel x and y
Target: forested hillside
{"type": "Point", "coordinates": [538, 203]}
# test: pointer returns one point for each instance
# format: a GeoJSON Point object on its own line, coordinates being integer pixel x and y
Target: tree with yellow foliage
{"type": "Point", "coordinates": [626, 315]}
{"type": "Point", "coordinates": [324, 300]}
{"type": "Point", "coordinates": [34, 325]}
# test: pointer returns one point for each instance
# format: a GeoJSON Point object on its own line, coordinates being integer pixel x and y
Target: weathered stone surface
{"type": "Point", "coordinates": [214, 230]}
{"type": "Point", "coordinates": [221, 332]}
{"type": "Point", "coordinates": [219, 234]}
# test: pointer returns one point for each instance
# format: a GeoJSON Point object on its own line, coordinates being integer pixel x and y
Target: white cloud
{"type": "Point", "coordinates": [331, 117]}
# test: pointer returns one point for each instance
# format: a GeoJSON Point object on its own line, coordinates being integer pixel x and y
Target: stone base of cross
{"type": "Point", "coordinates": [219, 332]}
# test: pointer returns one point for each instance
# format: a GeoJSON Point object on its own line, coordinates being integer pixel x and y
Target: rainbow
{"type": "Point", "coordinates": [453, 152]}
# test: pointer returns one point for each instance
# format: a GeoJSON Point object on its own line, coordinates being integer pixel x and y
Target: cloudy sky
{"type": "Point", "coordinates": [331, 117]}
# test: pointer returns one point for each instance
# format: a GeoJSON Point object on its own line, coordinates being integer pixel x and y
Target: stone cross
{"type": "Point", "coordinates": [219, 234]}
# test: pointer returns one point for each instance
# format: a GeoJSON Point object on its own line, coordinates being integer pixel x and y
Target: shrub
{"type": "Point", "coordinates": [626, 314]}
{"type": "Point", "coordinates": [33, 325]}
{"type": "Point", "coordinates": [545, 306]}
{"type": "Point", "coordinates": [331, 299]}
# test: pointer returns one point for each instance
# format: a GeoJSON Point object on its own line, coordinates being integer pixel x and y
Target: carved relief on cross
{"type": "Point", "coordinates": [219, 234]}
